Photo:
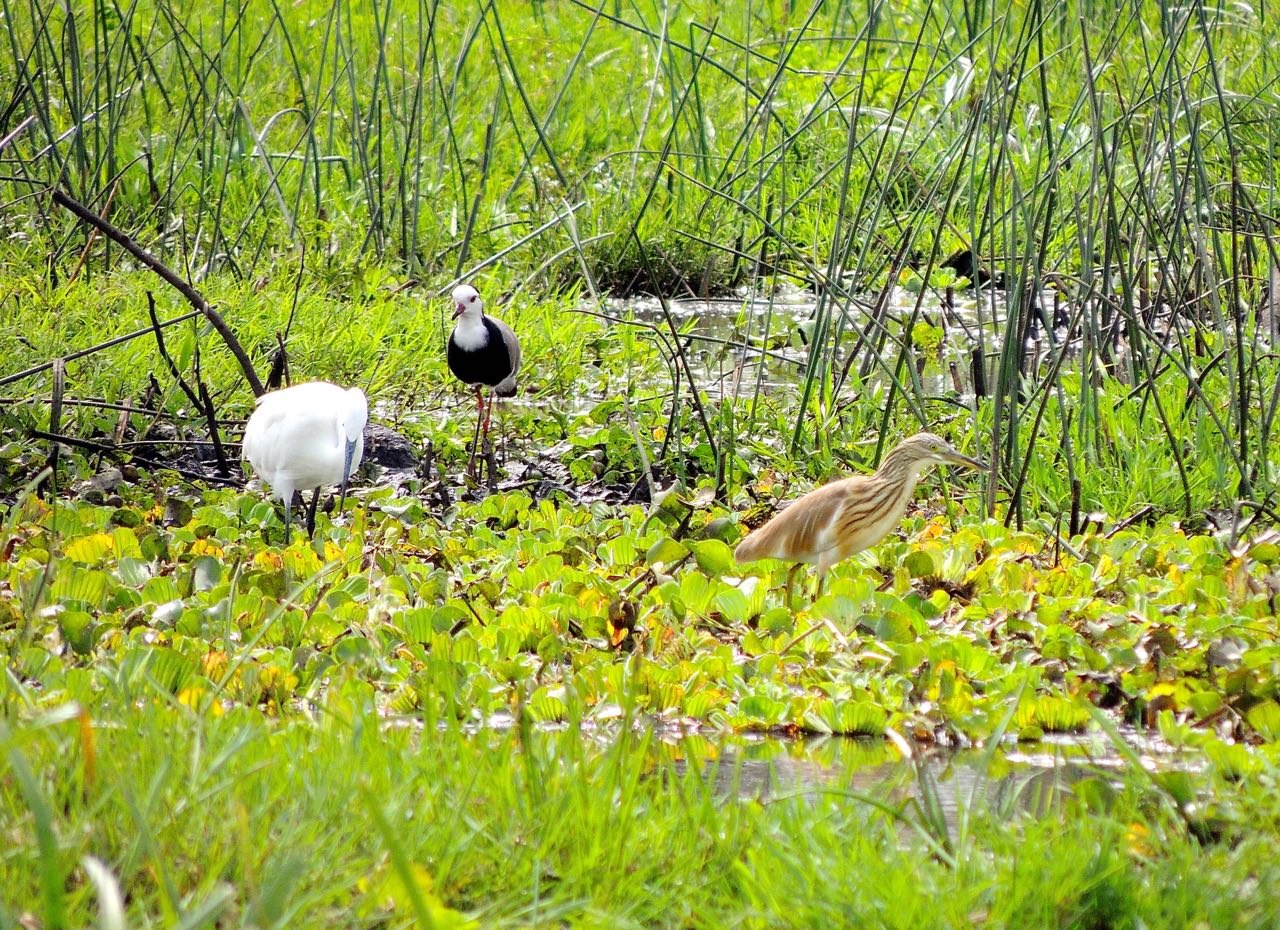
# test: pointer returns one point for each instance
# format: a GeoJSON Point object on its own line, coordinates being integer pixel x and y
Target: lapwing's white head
{"type": "Point", "coordinates": [467, 303]}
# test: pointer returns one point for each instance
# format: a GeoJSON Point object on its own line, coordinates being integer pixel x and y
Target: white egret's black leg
{"type": "Point", "coordinates": [348, 457]}
{"type": "Point", "coordinates": [288, 517]}
{"type": "Point", "coordinates": [311, 513]}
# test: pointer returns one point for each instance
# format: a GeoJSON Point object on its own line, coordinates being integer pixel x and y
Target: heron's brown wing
{"type": "Point", "coordinates": [803, 531]}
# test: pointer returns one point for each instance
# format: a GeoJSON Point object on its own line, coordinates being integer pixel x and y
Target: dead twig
{"type": "Point", "coordinates": [92, 446]}
{"type": "Point", "coordinates": [93, 236]}
{"type": "Point", "coordinates": [164, 353]}
{"type": "Point", "coordinates": [21, 127]}
{"type": "Point", "coordinates": [170, 277]}
{"type": "Point", "coordinates": [279, 373]}
{"type": "Point", "coordinates": [201, 401]}
{"type": "Point", "coordinates": [1141, 514]}
{"type": "Point", "coordinates": [211, 420]}
{"type": "Point", "coordinates": [122, 426]}
{"type": "Point", "coordinates": [55, 420]}
{"type": "Point", "coordinates": [100, 347]}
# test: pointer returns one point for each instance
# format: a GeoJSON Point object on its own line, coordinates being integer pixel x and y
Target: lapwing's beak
{"type": "Point", "coordinates": [458, 310]}
{"type": "Point", "coordinates": [346, 472]}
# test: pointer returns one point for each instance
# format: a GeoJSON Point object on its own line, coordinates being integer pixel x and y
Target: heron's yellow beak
{"type": "Point", "coordinates": [955, 458]}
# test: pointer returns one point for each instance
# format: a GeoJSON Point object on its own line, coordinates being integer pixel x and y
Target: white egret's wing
{"type": "Point", "coordinates": [294, 435]}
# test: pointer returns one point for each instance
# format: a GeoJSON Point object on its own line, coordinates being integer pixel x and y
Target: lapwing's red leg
{"type": "Point", "coordinates": [475, 438]}
{"type": "Point", "coordinates": [487, 415]}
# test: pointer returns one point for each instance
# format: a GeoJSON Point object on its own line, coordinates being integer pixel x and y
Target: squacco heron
{"type": "Point", "coordinates": [841, 519]}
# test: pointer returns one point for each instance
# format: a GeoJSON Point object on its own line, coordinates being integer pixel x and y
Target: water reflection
{"type": "Point", "coordinates": [738, 344]}
{"type": "Point", "coordinates": [1017, 778]}
{"type": "Point", "coordinates": [768, 769]}
{"type": "Point", "coordinates": [1013, 778]}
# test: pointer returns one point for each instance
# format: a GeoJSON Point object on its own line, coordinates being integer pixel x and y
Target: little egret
{"type": "Point", "coordinates": [839, 520]}
{"type": "Point", "coordinates": [483, 352]}
{"type": "Point", "coordinates": [307, 436]}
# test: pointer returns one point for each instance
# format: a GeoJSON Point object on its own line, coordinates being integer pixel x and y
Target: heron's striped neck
{"type": "Point", "coordinates": [901, 466]}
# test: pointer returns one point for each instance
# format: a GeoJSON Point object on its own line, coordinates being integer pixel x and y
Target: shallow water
{"type": "Point", "coordinates": [735, 344]}
{"type": "Point", "coordinates": [958, 781]}
{"type": "Point", "coordinates": [1015, 778]}
{"type": "Point", "coordinates": [1030, 777]}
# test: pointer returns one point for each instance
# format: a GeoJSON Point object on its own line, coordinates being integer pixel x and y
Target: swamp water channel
{"type": "Point", "coordinates": [945, 785]}
{"type": "Point", "coordinates": [752, 345]}
{"type": "Point", "coordinates": [739, 344]}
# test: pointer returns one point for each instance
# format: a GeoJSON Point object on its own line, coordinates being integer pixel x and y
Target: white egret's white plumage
{"type": "Point", "coordinates": [483, 350]}
{"type": "Point", "coordinates": [307, 436]}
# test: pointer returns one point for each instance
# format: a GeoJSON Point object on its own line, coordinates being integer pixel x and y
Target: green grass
{"type": "Point", "coordinates": [1117, 154]}
{"type": "Point", "coordinates": [273, 736]}
{"type": "Point", "coordinates": [199, 728]}
{"type": "Point", "coordinates": [320, 823]}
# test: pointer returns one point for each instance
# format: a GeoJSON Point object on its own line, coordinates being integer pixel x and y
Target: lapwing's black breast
{"type": "Point", "coordinates": [488, 365]}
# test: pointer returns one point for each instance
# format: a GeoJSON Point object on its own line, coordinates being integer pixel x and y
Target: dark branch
{"type": "Point", "coordinates": [174, 280]}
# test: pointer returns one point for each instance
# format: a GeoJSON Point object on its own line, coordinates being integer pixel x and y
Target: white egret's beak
{"type": "Point", "coordinates": [348, 455]}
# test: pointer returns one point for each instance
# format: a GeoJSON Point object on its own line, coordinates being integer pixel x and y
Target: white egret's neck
{"type": "Point", "coordinates": [355, 415]}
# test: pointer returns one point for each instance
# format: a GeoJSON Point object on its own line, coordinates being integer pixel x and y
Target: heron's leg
{"type": "Point", "coordinates": [791, 579]}
{"type": "Point", "coordinates": [311, 513]}
{"type": "Point", "coordinates": [288, 517]}
{"type": "Point", "coordinates": [824, 566]}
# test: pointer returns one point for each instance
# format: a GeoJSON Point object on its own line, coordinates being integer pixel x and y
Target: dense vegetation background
{"type": "Point", "coordinates": [199, 727]}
